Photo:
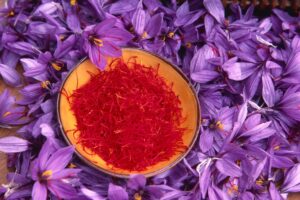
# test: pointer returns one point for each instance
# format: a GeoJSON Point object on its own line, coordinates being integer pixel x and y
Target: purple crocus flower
{"type": "Point", "coordinates": [9, 113]}
{"type": "Point", "coordinates": [104, 39]}
{"type": "Point", "coordinates": [139, 189]}
{"type": "Point", "coordinates": [49, 173]}
{"type": "Point", "coordinates": [217, 127]}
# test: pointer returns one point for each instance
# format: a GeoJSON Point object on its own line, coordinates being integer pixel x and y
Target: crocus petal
{"type": "Point", "coordinates": [136, 182]}
{"type": "Point", "coordinates": [228, 168]}
{"type": "Point", "coordinates": [61, 190]}
{"type": "Point", "coordinates": [116, 192]}
{"type": "Point", "coordinates": [47, 131]}
{"type": "Point", "coordinates": [266, 133]}
{"type": "Point", "coordinates": [139, 20]}
{"type": "Point", "coordinates": [23, 48]}
{"type": "Point", "coordinates": [39, 191]}
{"type": "Point", "coordinates": [10, 75]}
{"type": "Point", "coordinates": [91, 194]}
{"type": "Point", "coordinates": [206, 140]}
{"type": "Point", "coordinates": [12, 144]}
{"type": "Point", "coordinates": [268, 90]}
{"type": "Point", "coordinates": [239, 70]}
{"type": "Point", "coordinates": [199, 61]}
{"type": "Point", "coordinates": [274, 193]}
{"type": "Point", "coordinates": [105, 25]}
{"type": "Point", "coordinates": [65, 173]}
{"type": "Point", "coordinates": [48, 8]}
{"type": "Point", "coordinates": [292, 179]}
{"type": "Point", "coordinates": [216, 9]}
{"type": "Point", "coordinates": [64, 47]}
{"type": "Point", "coordinates": [60, 159]}
{"type": "Point", "coordinates": [97, 58]}
{"type": "Point", "coordinates": [154, 25]}
{"type": "Point", "coordinates": [123, 6]}
{"type": "Point", "coordinates": [204, 76]}
{"type": "Point", "coordinates": [110, 49]}
{"type": "Point", "coordinates": [256, 129]}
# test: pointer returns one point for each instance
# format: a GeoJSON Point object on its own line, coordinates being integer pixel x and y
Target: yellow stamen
{"type": "Point", "coordinates": [11, 14]}
{"type": "Point", "coordinates": [47, 173]}
{"type": "Point", "coordinates": [6, 114]}
{"type": "Point", "coordinates": [235, 188]}
{"type": "Point", "coordinates": [45, 84]}
{"type": "Point", "coordinates": [144, 35]}
{"type": "Point", "coordinates": [188, 45]}
{"type": "Point", "coordinates": [171, 34]}
{"type": "Point", "coordinates": [259, 182]}
{"type": "Point", "coordinates": [61, 37]}
{"type": "Point", "coordinates": [98, 42]}
{"type": "Point", "coordinates": [137, 196]}
{"type": "Point", "coordinates": [73, 2]}
{"type": "Point", "coordinates": [72, 165]}
{"type": "Point", "coordinates": [277, 147]}
{"type": "Point", "coordinates": [163, 38]}
{"type": "Point", "coordinates": [238, 162]}
{"type": "Point", "coordinates": [219, 125]}
{"type": "Point", "coordinates": [56, 66]}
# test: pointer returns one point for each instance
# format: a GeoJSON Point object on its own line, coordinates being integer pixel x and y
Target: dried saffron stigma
{"type": "Point", "coordinates": [129, 116]}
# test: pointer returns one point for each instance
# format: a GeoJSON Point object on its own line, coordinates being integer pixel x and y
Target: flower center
{"type": "Point", "coordinates": [137, 196]}
{"type": "Point", "coordinates": [171, 34]}
{"type": "Point", "coordinates": [45, 84]}
{"type": "Point", "coordinates": [46, 174]}
{"type": "Point", "coordinates": [73, 2]}
{"type": "Point", "coordinates": [144, 35]}
{"type": "Point", "coordinates": [219, 125]}
{"type": "Point", "coordinates": [11, 13]}
{"type": "Point", "coordinates": [188, 45]}
{"type": "Point", "coordinates": [6, 114]}
{"type": "Point", "coordinates": [56, 66]}
{"type": "Point", "coordinates": [277, 147]}
{"type": "Point", "coordinates": [98, 42]}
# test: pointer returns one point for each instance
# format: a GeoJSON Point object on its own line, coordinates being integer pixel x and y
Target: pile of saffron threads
{"type": "Point", "coordinates": [129, 116]}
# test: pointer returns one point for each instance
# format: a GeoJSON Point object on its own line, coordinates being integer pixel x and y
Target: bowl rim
{"type": "Point", "coordinates": [164, 169]}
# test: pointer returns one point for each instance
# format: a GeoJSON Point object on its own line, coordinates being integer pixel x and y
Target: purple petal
{"type": "Point", "coordinates": [123, 6]}
{"type": "Point", "coordinates": [199, 61]}
{"type": "Point", "coordinates": [48, 8]}
{"type": "Point", "coordinates": [228, 168]}
{"type": "Point", "coordinates": [12, 144]}
{"type": "Point", "coordinates": [274, 193]}
{"type": "Point", "coordinates": [61, 190]}
{"type": "Point", "coordinates": [64, 173]}
{"type": "Point", "coordinates": [97, 58]}
{"type": "Point", "coordinates": [136, 182]}
{"type": "Point", "coordinates": [216, 9]}
{"type": "Point", "coordinates": [116, 192]}
{"type": "Point", "coordinates": [257, 129]}
{"type": "Point", "coordinates": [206, 140]}
{"type": "Point", "coordinates": [64, 47]}
{"type": "Point", "coordinates": [139, 20]}
{"type": "Point", "coordinates": [60, 159]}
{"type": "Point", "coordinates": [47, 130]}
{"type": "Point", "coordinates": [91, 194]}
{"type": "Point", "coordinates": [23, 48]}
{"type": "Point", "coordinates": [154, 25]}
{"type": "Point", "coordinates": [268, 90]}
{"type": "Point", "coordinates": [39, 191]}
{"type": "Point", "coordinates": [266, 133]}
{"type": "Point", "coordinates": [204, 76]}
{"type": "Point", "coordinates": [292, 179]}
{"type": "Point", "coordinates": [10, 75]}
{"type": "Point", "coordinates": [205, 179]}
{"type": "Point", "coordinates": [104, 26]}
{"type": "Point", "coordinates": [238, 70]}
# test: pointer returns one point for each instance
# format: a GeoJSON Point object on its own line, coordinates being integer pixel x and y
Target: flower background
{"type": "Point", "coordinates": [258, 59]}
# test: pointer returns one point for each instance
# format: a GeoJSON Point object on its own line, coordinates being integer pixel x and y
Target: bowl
{"type": "Point", "coordinates": [172, 74]}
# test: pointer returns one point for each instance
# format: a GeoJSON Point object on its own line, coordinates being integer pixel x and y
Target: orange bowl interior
{"type": "Point", "coordinates": [189, 103]}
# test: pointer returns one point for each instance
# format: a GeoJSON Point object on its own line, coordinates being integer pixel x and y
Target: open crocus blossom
{"type": "Point", "coordinates": [245, 69]}
{"type": "Point", "coordinates": [49, 173]}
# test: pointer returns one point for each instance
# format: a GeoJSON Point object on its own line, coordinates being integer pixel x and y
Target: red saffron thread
{"type": "Point", "coordinates": [129, 116]}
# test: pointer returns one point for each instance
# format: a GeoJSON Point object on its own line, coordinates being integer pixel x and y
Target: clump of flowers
{"type": "Point", "coordinates": [246, 71]}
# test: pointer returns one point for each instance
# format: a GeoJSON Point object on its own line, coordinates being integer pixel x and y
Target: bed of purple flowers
{"type": "Point", "coordinates": [246, 72]}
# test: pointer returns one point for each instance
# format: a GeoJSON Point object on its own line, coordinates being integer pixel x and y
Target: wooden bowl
{"type": "Point", "coordinates": [172, 74]}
